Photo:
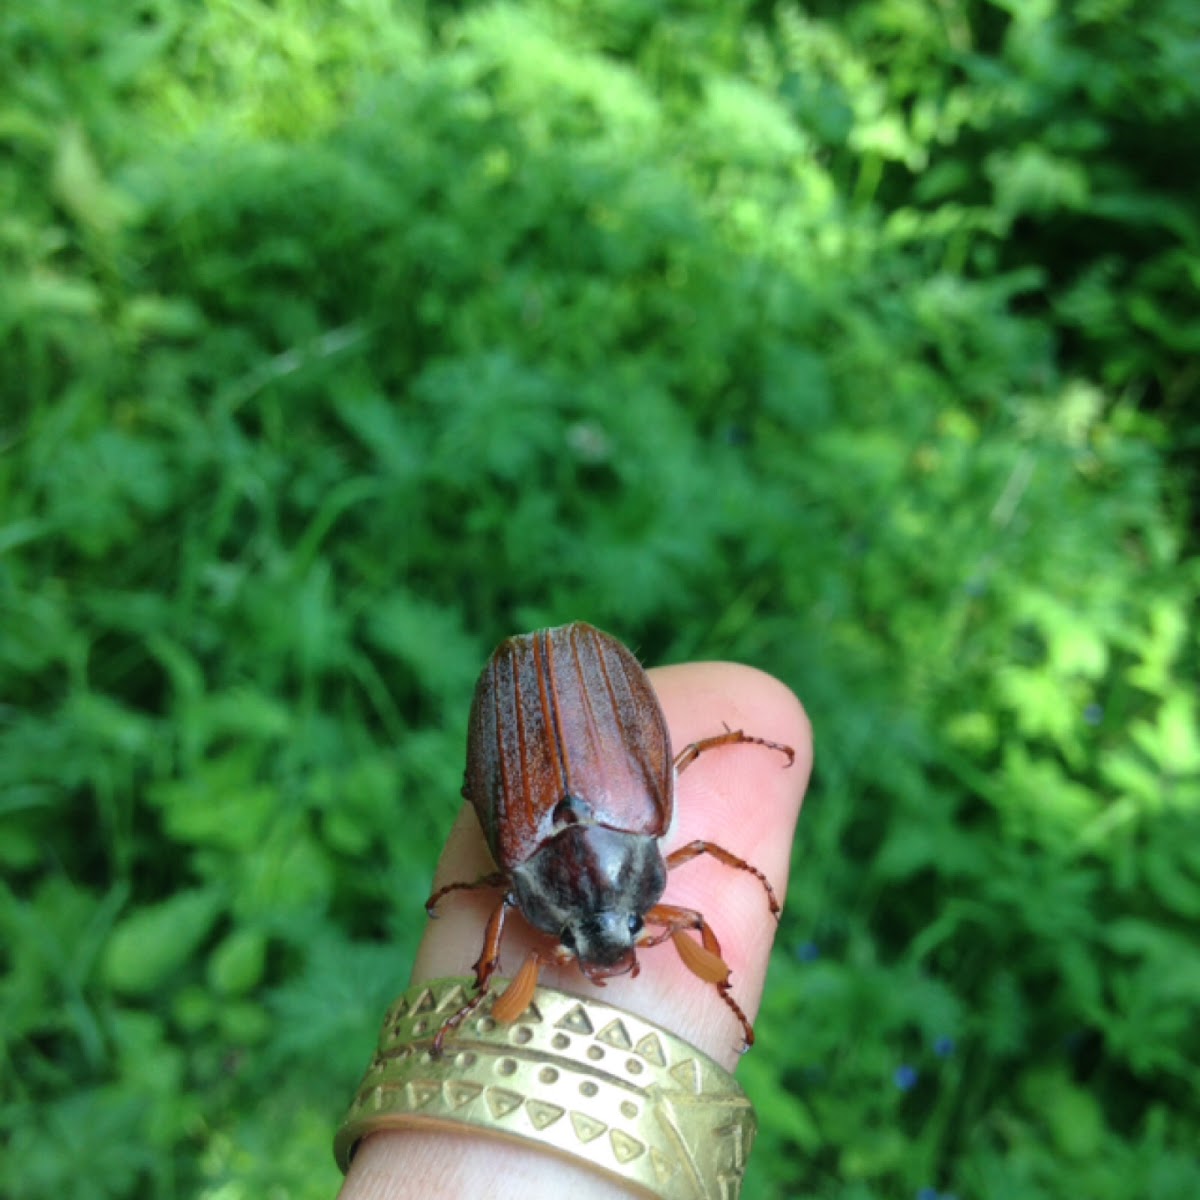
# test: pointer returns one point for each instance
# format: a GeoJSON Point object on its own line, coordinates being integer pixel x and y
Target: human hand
{"type": "Point", "coordinates": [736, 796]}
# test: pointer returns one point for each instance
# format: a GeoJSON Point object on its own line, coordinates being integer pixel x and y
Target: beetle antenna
{"type": "Point", "coordinates": [517, 997]}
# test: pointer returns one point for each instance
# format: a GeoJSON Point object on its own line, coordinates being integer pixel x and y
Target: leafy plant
{"type": "Point", "coordinates": [852, 340]}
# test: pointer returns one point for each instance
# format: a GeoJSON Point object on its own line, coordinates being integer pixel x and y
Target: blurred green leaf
{"type": "Point", "coordinates": [236, 965]}
{"type": "Point", "coordinates": [155, 940]}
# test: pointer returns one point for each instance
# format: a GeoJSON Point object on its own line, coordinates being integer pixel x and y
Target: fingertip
{"type": "Point", "coordinates": [745, 799]}
{"type": "Point", "coordinates": [738, 796]}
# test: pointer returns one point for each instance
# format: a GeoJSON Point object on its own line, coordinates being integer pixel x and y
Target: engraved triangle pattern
{"type": "Point", "coordinates": [581, 1078]}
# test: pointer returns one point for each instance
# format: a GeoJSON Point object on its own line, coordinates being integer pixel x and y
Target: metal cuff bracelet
{"type": "Point", "coordinates": [576, 1077]}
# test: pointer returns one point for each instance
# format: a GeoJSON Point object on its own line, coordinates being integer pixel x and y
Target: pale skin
{"type": "Point", "coordinates": [740, 797]}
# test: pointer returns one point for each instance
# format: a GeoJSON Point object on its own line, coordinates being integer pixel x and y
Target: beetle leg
{"type": "Point", "coordinates": [731, 737]}
{"type": "Point", "coordinates": [495, 879]}
{"type": "Point", "coordinates": [485, 968]}
{"type": "Point", "coordinates": [694, 849]}
{"type": "Point", "coordinates": [674, 920]}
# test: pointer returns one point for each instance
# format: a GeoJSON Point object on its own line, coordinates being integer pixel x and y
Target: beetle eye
{"type": "Point", "coordinates": [567, 937]}
{"type": "Point", "coordinates": [635, 925]}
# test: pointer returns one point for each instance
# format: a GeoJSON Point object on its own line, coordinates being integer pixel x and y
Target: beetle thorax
{"type": "Point", "coordinates": [590, 886]}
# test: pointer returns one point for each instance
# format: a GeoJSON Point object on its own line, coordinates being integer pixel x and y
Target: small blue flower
{"type": "Point", "coordinates": [807, 952]}
{"type": "Point", "coordinates": [927, 1193]}
{"type": "Point", "coordinates": [943, 1046]}
{"type": "Point", "coordinates": [906, 1077]}
{"type": "Point", "coordinates": [1094, 714]}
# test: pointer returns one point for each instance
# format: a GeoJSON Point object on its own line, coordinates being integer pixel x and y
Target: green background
{"type": "Point", "coordinates": [854, 340]}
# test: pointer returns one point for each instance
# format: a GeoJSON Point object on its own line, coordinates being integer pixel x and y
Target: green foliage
{"type": "Point", "coordinates": [853, 340]}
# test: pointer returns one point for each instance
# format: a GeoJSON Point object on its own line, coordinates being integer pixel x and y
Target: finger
{"type": "Point", "coordinates": [741, 797]}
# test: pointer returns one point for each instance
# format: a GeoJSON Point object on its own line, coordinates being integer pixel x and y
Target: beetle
{"type": "Point", "coordinates": [571, 773]}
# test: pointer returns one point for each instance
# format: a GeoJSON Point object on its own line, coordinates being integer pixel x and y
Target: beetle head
{"type": "Point", "coordinates": [589, 886]}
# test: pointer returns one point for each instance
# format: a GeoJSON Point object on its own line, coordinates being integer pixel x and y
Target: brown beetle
{"type": "Point", "coordinates": [570, 770]}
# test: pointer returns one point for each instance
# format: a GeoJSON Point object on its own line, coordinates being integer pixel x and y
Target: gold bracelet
{"type": "Point", "coordinates": [577, 1077]}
